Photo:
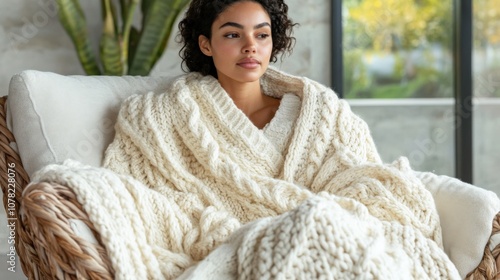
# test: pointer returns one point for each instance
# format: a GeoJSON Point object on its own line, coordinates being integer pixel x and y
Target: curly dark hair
{"type": "Point", "coordinates": [199, 19]}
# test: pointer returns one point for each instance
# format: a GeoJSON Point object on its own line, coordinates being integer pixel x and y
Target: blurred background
{"type": "Point", "coordinates": [394, 61]}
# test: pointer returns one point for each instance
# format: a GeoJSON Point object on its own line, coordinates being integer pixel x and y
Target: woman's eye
{"type": "Point", "coordinates": [231, 35]}
{"type": "Point", "coordinates": [263, 35]}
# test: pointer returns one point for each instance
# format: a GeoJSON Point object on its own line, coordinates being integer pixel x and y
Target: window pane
{"type": "Point", "coordinates": [397, 48]}
{"type": "Point", "coordinates": [398, 77]}
{"type": "Point", "coordinates": [486, 69]}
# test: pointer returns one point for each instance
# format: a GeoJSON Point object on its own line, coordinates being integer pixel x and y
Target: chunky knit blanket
{"type": "Point", "coordinates": [191, 187]}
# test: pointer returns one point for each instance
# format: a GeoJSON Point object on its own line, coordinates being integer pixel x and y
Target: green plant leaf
{"type": "Point", "coordinates": [127, 29]}
{"type": "Point", "coordinates": [73, 20]}
{"type": "Point", "coordinates": [132, 42]}
{"type": "Point", "coordinates": [158, 19]}
{"type": "Point", "coordinates": [124, 8]}
{"type": "Point", "coordinates": [145, 5]}
{"type": "Point", "coordinates": [110, 46]}
{"type": "Point", "coordinates": [178, 6]}
{"type": "Point", "coordinates": [110, 56]}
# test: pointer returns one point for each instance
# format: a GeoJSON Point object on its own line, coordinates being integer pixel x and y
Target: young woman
{"type": "Point", "coordinates": [242, 171]}
{"type": "Point", "coordinates": [238, 145]}
{"type": "Point", "coordinates": [235, 44]}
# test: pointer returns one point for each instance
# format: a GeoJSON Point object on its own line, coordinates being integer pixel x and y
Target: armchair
{"type": "Point", "coordinates": [53, 235]}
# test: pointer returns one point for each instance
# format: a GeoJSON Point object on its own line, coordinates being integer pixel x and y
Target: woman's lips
{"type": "Point", "coordinates": [249, 63]}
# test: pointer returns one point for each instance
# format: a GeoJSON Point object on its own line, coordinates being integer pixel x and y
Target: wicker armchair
{"type": "Point", "coordinates": [47, 245]}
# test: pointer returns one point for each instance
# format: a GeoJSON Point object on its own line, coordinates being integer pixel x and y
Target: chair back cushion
{"type": "Point", "coordinates": [55, 117]}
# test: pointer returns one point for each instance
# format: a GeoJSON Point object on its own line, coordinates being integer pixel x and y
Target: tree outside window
{"type": "Point", "coordinates": [403, 48]}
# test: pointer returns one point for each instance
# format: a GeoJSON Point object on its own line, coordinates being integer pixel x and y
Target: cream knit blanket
{"type": "Point", "coordinates": [187, 169]}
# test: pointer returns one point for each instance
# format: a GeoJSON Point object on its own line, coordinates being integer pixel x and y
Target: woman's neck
{"type": "Point", "coordinates": [246, 96]}
{"type": "Point", "coordinates": [250, 99]}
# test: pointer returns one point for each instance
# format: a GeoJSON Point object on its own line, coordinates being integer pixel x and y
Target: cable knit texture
{"type": "Point", "coordinates": [188, 175]}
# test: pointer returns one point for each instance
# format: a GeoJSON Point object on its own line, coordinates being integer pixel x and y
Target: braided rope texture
{"type": "Point", "coordinates": [489, 268]}
{"type": "Point", "coordinates": [47, 246]}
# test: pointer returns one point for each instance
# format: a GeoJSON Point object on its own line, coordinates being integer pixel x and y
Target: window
{"type": "Point", "coordinates": [397, 49]}
{"type": "Point", "coordinates": [405, 66]}
{"type": "Point", "coordinates": [486, 89]}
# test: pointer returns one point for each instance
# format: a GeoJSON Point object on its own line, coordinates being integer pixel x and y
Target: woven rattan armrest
{"type": "Point", "coordinates": [48, 212]}
{"type": "Point", "coordinates": [40, 216]}
{"type": "Point", "coordinates": [489, 268]}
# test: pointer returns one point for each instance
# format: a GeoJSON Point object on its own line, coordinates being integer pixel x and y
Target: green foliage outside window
{"type": "Point", "coordinates": [403, 48]}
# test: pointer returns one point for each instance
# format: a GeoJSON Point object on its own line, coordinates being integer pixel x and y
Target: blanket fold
{"type": "Point", "coordinates": [187, 170]}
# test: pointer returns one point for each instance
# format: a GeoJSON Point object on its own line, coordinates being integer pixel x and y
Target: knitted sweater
{"type": "Point", "coordinates": [187, 169]}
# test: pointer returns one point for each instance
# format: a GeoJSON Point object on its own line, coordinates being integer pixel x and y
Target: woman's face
{"type": "Point", "coordinates": [241, 43]}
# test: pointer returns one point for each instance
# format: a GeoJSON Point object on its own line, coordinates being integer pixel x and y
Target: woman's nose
{"type": "Point", "coordinates": [250, 46]}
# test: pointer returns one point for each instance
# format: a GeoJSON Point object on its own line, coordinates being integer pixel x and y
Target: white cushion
{"type": "Point", "coordinates": [466, 214]}
{"type": "Point", "coordinates": [55, 117]}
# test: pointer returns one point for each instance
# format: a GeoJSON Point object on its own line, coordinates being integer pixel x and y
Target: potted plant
{"type": "Point", "coordinates": [124, 48]}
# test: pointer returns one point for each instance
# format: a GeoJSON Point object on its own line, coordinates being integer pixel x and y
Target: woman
{"type": "Point", "coordinates": [241, 171]}
{"type": "Point", "coordinates": [236, 142]}
{"type": "Point", "coordinates": [235, 43]}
